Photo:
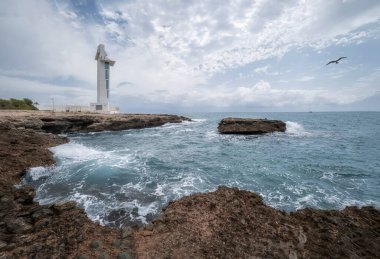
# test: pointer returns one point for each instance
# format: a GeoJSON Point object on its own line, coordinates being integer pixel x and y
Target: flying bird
{"type": "Point", "coordinates": [335, 61]}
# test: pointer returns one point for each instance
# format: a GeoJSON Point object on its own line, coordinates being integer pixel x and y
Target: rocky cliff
{"type": "Point", "coordinates": [67, 122]}
{"type": "Point", "coordinates": [233, 223]}
{"type": "Point", "coordinates": [247, 126]}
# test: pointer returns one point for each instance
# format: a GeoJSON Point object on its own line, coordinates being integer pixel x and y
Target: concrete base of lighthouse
{"type": "Point", "coordinates": [103, 108]}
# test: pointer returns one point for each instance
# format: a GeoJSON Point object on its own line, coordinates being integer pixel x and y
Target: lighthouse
{"type": "Point", "coordinates": [103, 79]}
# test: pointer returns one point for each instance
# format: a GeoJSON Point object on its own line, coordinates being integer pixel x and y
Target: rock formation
{"type": "Point", "coordinates": [250, 126]}
{"type": "Point", "coordinates": [58, 123]}
{"type": "Point", "coordinates": [233, 223]}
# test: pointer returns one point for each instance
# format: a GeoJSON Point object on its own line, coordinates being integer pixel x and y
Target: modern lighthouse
{"type": "Point", "coordinates": [103, 82]}
{"type": "Point", "coordinates": [103, 88]}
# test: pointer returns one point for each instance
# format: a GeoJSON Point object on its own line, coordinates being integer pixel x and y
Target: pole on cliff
{"type": "Point", "coordinates": [52, 99]}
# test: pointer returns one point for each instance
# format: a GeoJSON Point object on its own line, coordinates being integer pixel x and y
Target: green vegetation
{"type": "Point", "coordinates": [17, 104]}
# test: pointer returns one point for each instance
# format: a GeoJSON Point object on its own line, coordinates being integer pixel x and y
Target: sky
{"type": "Point", "coordinates": [195, 56]}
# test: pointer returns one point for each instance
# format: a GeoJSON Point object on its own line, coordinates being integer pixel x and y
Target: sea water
{"type": "Point", "coordinates": [323, 160]}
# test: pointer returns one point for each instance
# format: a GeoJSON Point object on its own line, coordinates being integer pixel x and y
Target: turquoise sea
{"type": "Point", "coordinates": [323, 160]}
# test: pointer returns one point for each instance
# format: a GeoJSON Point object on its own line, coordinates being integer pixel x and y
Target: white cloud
{"type": "Point", "coordinates": [265, 70]}
{"type": "Point", "coordinates": [305, 79]}
{"type": "Point", "coordinates": [263, 95]}
{"type": "Point", "coordinates": [36, 40]}
{"type": "Point", "coordinates": [169, 51]}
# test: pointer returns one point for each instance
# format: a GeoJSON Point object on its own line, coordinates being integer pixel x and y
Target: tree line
{"type": "Point", "coordinates": [17, 104]}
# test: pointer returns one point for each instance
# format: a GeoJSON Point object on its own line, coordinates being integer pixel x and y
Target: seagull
{"type": "Point", "coordinates": [335, 61]}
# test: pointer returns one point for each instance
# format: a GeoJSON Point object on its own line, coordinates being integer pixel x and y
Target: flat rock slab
{"type": "Point", "coordinates": [248, 126]}
{"type": "Point", "coordinates": [58, 123]}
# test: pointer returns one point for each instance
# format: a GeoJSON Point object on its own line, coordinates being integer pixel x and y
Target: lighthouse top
{"type": "Point", "coordinates": [101, 55]}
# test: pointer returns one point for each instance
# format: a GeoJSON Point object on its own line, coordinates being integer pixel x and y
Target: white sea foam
{"type": "Point", "coordinates": [144, 210]}
{"type": "Point", "coordinates": [79, 153]}
{"type": "Point", "coordinates": [211, 134]}
{"type": "Point", "coordinates": [296, 129]}
{"type": "Point", "coordinates": [309, 200]}
{"type": "Point", "coordinates": [328, 176]}
{"type": "Point", "coordinates": [159, 190]}
{"type": "Point", "coordinates": [37, 172]}
{"type": "Point", "coordinates": [76, 152]}
{"type": "Point", "coordinates": [138, 187]}
{"type": "Point", "coordinates": [171, 125]}
{"type": "Point", "coordinates": [183, 130]}
{"type": "Point", "coordinates": [199, 120]}
{"type": "Point", "coordinates": [85, 200]}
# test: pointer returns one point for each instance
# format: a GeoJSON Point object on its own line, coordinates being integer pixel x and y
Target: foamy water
{"type": "Point", "coordinates": [322, 160]}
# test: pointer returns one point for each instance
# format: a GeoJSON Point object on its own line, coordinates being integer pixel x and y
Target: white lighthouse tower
{"type": "Point", "coordinates": [103, 82]}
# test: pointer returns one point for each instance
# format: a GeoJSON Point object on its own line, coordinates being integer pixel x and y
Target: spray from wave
{"type": "Point", "coordinates": [296, 129]}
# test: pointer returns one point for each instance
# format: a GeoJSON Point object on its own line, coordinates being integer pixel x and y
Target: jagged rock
{"type": "Point", "coordinates": [25, 195]}
{"type": "Point", "coordinates": [123, 255]}
{"type": "Point", "coordinates": [96, 244]}
{"type": "Point", "coordinates": [37, 215]}
{"type": "Point", "coordinates": [56, 127]}
{"type": "Point", "coordinates": [29, 123]}
{"type": "Point", "coordinates": [61, 207]}
{"type": "Point", "coordinates": [18, 226]}
{"type": "Point", "coordinates": [3, 245]}
{"type": "Point", "coordinates": [103, 256]}
{"type": "Point", "coordinates": [126, 231]}
{"type": "Point", "coordinates": [233, 223]}
{"type": "Point", "coordinates": [93, 123]}
{"type": "Point", "coordinates": [250, 126]}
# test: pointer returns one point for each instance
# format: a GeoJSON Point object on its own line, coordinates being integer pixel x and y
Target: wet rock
{"type": "Point", "coordinates": [104, 256]}
{"type": "Point", "coordinates": [80, 238]}
{"type": "Point", "coordinates": [56, 127]}
{"type": "Point", "coordinates": [37, 215]}
{"type": "Point", "coordinates": [123, 255]}
{"type": "Point", "coordinates": [3, 245]}
{"type": "Point", "coordinates": [96, 244]}
{"type": "Point", "coordinates": [126, 231]}
{"type": "Point", "coordinates": [149, 227]}
{"type": "Point", "coordinates": [18, 226]}
{"type": "Point", "coordinates": [116, 243]}
{"type": "Point", "coordinates": [61, 207]}
{"type": "Point", "coordinates": [250, 126]}
{"type": "Point", "coordinates": [25, 195]}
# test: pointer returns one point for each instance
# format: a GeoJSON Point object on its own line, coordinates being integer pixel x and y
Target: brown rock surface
{"type": "Point", "coordinates": [247, 126]}
{"type": "Point", "coordinates": [84, 122]}
{"type": "Point", "coordinates": [232, 223]}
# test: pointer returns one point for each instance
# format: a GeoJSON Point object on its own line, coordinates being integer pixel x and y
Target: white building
{"type": "Point", "coordinates": [103, 81]}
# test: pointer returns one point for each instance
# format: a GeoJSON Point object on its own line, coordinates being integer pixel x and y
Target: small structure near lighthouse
{"type": "Point", "coordinates": [103, 81]}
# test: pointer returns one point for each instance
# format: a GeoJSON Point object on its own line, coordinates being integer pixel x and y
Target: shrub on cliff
{"type": "Point", "coordinates": [17, 104]}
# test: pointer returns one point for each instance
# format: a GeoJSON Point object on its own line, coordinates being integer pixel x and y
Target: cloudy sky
{"type": "Point", "coordinates": [185, 56]}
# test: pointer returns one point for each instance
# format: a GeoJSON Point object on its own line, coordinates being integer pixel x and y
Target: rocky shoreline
{"type": "Point", "coordinates": [227, 223]}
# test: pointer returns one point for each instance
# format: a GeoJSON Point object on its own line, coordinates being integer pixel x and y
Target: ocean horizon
{"type": "Point", "coordinates": [324, 160]}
